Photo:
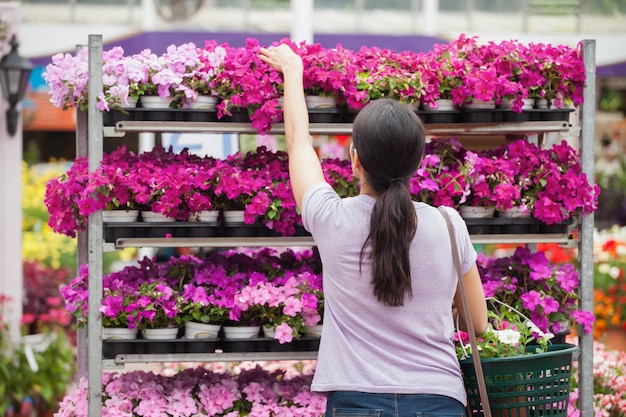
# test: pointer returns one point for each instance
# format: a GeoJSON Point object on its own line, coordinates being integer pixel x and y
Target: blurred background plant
{"type": "Point", "coordinates": [42, 367]}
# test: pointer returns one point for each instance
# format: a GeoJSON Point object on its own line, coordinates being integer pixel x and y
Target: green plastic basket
{"type": "Point", "coordinates": [523, 386]}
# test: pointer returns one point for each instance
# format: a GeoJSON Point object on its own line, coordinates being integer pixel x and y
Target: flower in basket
{"type": "Point", "coordinates": [544, 292]}
{"type": "Point", "coordinates": [440, 180]}
{"type": "Point", "coordinates": [509, 333]}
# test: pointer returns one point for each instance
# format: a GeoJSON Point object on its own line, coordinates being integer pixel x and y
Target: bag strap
{"type": "Point", "coordinates": [462, 300]}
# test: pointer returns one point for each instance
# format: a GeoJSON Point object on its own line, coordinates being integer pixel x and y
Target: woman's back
{"type": "Point", "coordinates": [369, 346]}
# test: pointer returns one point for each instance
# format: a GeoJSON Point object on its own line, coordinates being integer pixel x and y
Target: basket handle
{"type": "Point", "coordinates": [463, 301]}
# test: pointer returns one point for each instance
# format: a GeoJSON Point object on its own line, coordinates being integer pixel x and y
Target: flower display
{"type": "Point", "coordinates": [546, 293]}
{"type": "Point", "coordinates": [548, 183]}
{"type": "Point", "coordinates": [235, 286]}
{"type": "Point", "coordinates": [202, 391]}
{"type": "Point", "coordinates": [462, 70]}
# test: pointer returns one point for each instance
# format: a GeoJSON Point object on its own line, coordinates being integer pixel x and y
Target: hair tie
{"type": "Point", "coordinates": [395, 180]}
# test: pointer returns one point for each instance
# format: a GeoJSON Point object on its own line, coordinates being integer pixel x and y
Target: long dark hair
{"type": "Point", "coordinates": [389, 139]}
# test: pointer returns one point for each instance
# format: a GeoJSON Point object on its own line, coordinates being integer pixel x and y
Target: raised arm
{"type": "Point", "coordinates": [305, 168]}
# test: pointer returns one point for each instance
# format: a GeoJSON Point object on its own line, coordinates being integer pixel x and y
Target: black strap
{"type": "Point", "coordinates": [462, 301]}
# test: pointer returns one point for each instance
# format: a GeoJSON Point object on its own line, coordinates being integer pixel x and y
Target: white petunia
{"type": "Point", "coordinates": [508, 336]}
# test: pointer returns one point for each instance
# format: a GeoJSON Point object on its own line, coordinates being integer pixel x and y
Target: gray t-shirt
{"type": "Point", "coordinates": [370, 347]}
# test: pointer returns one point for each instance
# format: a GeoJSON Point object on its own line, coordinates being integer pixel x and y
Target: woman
{"type": "Point", "coordinates": [389, 275]}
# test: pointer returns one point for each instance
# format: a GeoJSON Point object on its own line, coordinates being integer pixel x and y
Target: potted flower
{"type": "Point", "coordinates": [154, 313]}
{"type": "Point", "coordinates": [329, 73]}
{"type": "Point", "coordinates": [68, 76]}
{"type": "Point", "coordinates": [445, 68]}
{"type": "Point", "coordinates": [243, 82]}
{"type": "Point", "coordinates": [563, 73]}
{"type": "Point", "coordinates": [288, 306]}
{"type": "Point", "coordinates": [440, 180]}
{"type": "Point", "coordinates": [384, 73]}
{"type": "Point", "coordinates": [489, 182]}
{"type": "Point", "coordinates": [205, 301]}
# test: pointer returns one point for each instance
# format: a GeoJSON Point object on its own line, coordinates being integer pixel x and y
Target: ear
{"type": "Point", "coordinates": [356, 163]}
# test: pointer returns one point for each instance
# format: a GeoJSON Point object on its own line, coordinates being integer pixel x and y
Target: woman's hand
{"type": "Point", "coordinates": [282, 58]}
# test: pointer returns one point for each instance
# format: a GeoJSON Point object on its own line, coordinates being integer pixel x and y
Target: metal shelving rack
{"type": "Point", "coordinates": [89, 142]}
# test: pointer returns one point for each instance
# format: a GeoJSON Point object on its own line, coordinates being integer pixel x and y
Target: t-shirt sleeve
{"type": "Point", "coordinates": [314, 200]}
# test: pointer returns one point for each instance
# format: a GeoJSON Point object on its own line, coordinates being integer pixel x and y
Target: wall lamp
{"type": "Point", "coordinates": [14, 73]}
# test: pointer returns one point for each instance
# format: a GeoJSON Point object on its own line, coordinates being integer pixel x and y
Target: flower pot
{"type": "Point", "coordinates": [120, 216]}
{"type": "Point", "coordinates": [118, 333]}
{"type": "Point", "coordinates": [318, 102]}
{"type": "Point", "coordinates": [204, 103]}
{"type": "Point", "coordinates": [542, 103]}
{"type": "Point", "coordinates": [166, 333]}
{"type": "Point", "coordinates": [155, 102]}
{"type": "Point", "coordinates": [507, 103]}
{"type": "Point", "coordinates": [153, 217]}
{"type": "Point", "coordinates": [442, 104]}
{"type": "Point", "coordinates": [269, 331]}
{"type": "Point", "coordinates": [313, 331]}
{"type": "Point", "coordinates": [480, 105]}
{"type": "Point", "coordinates": [195, 330]}
{"type": "Point", "coordinates": [234, 216]}
{"type": "Point", "coordinates": [515, 212]}
{"type": "Point", "coordinates": [241, 332]}
{"type": "Point", "coordinates": [477, 212]}
{"type": "Point", "coordinates": [204, 216]}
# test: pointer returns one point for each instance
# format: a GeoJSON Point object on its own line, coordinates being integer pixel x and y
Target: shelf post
{"type": "Point", "coordinates": [94, 232]}
{"type": "Point", "coordinates": [585, 248]}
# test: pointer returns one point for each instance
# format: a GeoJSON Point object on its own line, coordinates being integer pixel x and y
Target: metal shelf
{"type": "Point", "coordinates": [232, 242]}
{"type": "Point", "coordinates": [123, 359]}
{"type": "Point", "coordinates": [509, 128]}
